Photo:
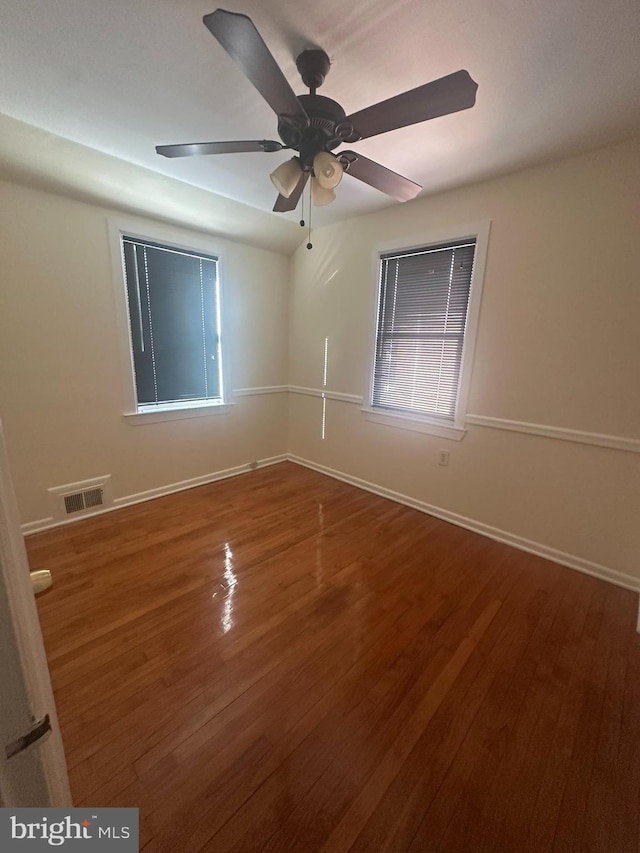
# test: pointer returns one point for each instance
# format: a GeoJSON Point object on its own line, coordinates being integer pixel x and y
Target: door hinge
{"type": "Point", "coordinates": [37, 731]}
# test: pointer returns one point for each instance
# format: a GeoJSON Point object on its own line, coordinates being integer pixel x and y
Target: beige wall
{"type": "Point", "coordinates": [557, 345]}
{"type": "Point", "coordinates": [61, 380]}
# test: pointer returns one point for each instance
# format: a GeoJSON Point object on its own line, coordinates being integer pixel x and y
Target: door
{"type": "Point", "coordinates": [33, 770]}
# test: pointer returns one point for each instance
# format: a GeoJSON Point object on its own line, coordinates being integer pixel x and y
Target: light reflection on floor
{"type": "Point", "coordinates": [230, 581]}
{"type": "Point", "coordinates": [319, 568]}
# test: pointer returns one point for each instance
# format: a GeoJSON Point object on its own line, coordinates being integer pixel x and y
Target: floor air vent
{"type": "Point", "coordinates": [81, 498]}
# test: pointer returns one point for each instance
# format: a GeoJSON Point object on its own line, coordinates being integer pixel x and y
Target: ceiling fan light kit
{"type": "Point", "coordinates": [313, 125]}
{"type": "Point", "coordinates": [321, 195]}
{"type": "Point", "coordinates": [327, 170]}
{"type": "Point", "coordinates": [285, 178]}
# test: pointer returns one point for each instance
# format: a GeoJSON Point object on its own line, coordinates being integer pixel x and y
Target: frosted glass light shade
{"type": "Point", "coordinates": [319, 195]}
{"type": "Point", "coordinates": [285, 178]}
{"type": "Point", "coordinates": [327, 169]}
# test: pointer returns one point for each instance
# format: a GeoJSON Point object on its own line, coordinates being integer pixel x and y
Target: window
{"type": "Point", "coordinates": [423, 308]}
{"type": "Point", "coordinates": [174, 321]}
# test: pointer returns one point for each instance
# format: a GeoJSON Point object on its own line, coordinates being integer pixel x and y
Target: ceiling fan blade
{"type": "Point", "coordinates": [440, 97]}
{"type": "Point", "coordinates": [283, 205]}
{"type": "Point", "coordinates": [242, 41]}
{"type": "Point", "coordinates": [197, 148]}
{"type": "Point", "coordinates": [383, 179]}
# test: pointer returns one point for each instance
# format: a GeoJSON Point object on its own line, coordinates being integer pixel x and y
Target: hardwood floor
{"type": "Point", "coordinates": [282, 662]}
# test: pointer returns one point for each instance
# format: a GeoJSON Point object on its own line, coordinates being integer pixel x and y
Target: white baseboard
{"type": "Point", "coordinates": [161, 491]}
{"type": "Point", "coordinates": [40, 524]}
{"type": "Point", "coordinates": [118, 503]}
{"type": "Point", "coordinates": [540, 550]}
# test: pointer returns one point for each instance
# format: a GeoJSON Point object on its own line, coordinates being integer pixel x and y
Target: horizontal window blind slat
{"type": "Point", "coordinates": [424, 296]}
{"type": "Point", "coordinates": [173, 308]}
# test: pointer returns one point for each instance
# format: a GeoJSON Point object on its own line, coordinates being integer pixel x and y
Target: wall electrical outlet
{"type": "Point", "coordinates": [443, 457]}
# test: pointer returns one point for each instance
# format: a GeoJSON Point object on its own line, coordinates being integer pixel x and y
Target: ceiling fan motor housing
{"type": "Point", "coordinates": [328, 127]}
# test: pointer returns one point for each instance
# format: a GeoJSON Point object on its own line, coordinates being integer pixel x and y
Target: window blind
{"type": "Point", "coordinates": [174, 321]}
{"type": "Point", "coordinates": [424, 295]}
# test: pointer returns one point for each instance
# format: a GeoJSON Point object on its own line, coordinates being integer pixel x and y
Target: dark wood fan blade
{"type": "Point", "coordinates": [199, 148]}
{"type": "Point", "coordinates": [242, 41]}
{"type": "Point", "coordinates": [383, 179]}
{"type": "Point", "coordinates": [440, 97]}
{"type": "Point", "coordinates": [283, 204]}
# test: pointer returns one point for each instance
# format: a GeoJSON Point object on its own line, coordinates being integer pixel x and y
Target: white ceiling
{"type": "Point", "coordinates": [555, 77]}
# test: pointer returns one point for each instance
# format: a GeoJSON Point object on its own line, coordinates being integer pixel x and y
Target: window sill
{"type": "Point", "coordinates": [414, 423]}
{"type": "Point", "coordinates": [174, 413]}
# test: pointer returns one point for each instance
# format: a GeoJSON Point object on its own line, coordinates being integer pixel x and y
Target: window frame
{"type": "Point", "coordinates": [134, 412]}
{"type": "Point", "coordinates": [417, 421]}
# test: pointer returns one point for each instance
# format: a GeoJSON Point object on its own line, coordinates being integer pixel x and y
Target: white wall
{"type": "Point", "coordinates": [558, 345]}
{"type": "Point", "coordinates": [61, 382]}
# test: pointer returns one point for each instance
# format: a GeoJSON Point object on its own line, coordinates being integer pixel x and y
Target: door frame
{"type": "Point", "coordinates": [36, 775]}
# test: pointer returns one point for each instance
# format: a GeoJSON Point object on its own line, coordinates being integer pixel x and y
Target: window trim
{"type": "Point", "coordinates": [165, 236]}
{"type": "Point", "coordinates": [188, 410]}
{"type": "Point", "coordinates": [432, 237]}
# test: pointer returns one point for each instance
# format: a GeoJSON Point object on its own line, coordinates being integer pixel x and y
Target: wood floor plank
{"type": "Point", "coordinates": [318, 722]}
{"type": "Point", "coordinates": [462, 789]}
{"type": "Point", "coordinates": [597, 823]}
{"type": "Point", "coordinates": [521, 776]}
{"type": "Point", "coordinates": [396, 820]}
{"type": "Point", "coordinates": [364, 805]}
{"type": "Point", "coordinates": [572, 816]}
{"type": "Point", "coordinates": [480, 815]}
{"type": "Point", "coordinates": [561, 746]}
{"type": "Point", "coordinates": [283, 662]}
{"type": "Point", "coordinates": [624, 828]}
{"type": "Point", "coordinates": [376, 718]}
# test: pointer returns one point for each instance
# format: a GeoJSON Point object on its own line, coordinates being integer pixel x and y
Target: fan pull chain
{"type": "Point", "coordinates": [310, 244]}
{"type": "Point", "coordinates": [302, 213]}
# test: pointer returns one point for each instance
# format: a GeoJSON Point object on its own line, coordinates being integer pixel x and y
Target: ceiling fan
{"type": "Point", "coordinates": [313, 125]}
